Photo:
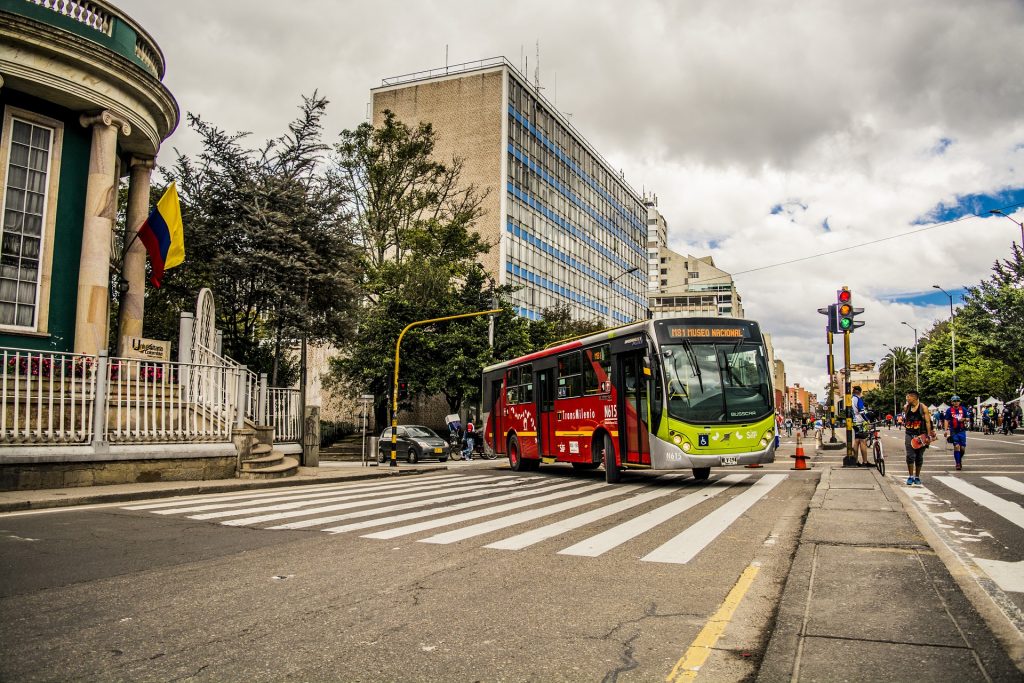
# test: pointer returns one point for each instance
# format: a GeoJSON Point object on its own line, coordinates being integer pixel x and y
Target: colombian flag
{"type": "Point", "coordinates": [163, 235]}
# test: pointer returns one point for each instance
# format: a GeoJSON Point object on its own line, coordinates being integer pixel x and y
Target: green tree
{"type": "Point", "coordinates": [412, 220]}
{"type": "Point", "coordinates": [902, 359]}
{"type": "Point", "coordinates": [556, 323]}
{"type": "Point", "coordinates": [266, 229]}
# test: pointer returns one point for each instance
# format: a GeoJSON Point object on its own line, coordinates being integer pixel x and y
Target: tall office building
{"type": "Point", "coordinates": [657, 239]}
{"type": "Point", "coordinates": [691, 286]}
{"type": "Point", "coordinates": [566, 226]}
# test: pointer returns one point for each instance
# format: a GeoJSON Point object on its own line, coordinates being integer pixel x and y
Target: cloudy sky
{"type": "Point", "coordinates": [770, 131]}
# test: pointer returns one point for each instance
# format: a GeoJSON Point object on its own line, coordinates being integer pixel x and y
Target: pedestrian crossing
{"type": "Point", "coordinates": [527, 510]}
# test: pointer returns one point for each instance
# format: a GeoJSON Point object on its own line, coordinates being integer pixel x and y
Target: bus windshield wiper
{"type": "Point", "coordinates": [693, 362]}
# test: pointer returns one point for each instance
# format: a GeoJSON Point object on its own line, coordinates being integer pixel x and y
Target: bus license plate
{"type": "Point", "coordinates": [728, 461]}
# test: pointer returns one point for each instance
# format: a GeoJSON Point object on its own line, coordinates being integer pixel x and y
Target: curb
{"type": "Point", "coordinates": [1007, 635]}
{"type": "Point", "coordinates": [197, 489]}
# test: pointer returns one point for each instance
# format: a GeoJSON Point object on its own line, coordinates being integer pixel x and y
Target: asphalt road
{"type": "Point", "coordinates": [153, 593]}
{"type": "Point", "coordinates": [977, 512]}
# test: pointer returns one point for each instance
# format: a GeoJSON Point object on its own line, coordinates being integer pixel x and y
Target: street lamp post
{"type": "Point", "coordinates": [611, 293]}
{"type": "Point", "coordinates": [917, 377]}
{"type": "Point", "coordinates": [893, 356]}
{"type": "Point", "coordinates": [997, 212]}
{"type": "Point", "coordinates": [952, 332]}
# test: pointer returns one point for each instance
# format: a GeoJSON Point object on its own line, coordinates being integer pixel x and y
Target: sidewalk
{"type": "Point", "coordinates": [867, 599]}
{"type": "Point", "coordinates": [36, 499]}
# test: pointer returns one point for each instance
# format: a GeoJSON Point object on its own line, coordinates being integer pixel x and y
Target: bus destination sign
{"type": "Point", "coordinates": [686, 332]}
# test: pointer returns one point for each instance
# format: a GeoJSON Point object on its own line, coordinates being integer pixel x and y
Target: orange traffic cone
{"type": "Point", "coordinates": [801, 459]}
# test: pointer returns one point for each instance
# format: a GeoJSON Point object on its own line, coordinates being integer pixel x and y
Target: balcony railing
{"type": "Point", "coordinates": [99, 21]}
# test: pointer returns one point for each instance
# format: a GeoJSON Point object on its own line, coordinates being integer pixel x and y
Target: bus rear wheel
{"type": "Point", "coordinates": [612, 473]}
{"type": "Point", "coordinates": [701, 473]}
{"type": "Point", "coordinates": [515, 458]}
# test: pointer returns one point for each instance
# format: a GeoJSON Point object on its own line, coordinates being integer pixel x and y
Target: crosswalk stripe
{"type": "Point", "coordinates": [528, 538]}
{"type": "Point", "coordinates": [357, 495]}
{"type": "Point", "coordinates": [466, 516]}
{"type": "Point", "coordinates": [530, 489]}
{"type": "Point", "coordinates": [419, 498]}
{"type": "Point", "coordinates": [1004, 508]}
{"type": "Point", "coordinates": [1008, 484]}
{"type": "Point", "coordinates": [312, 489]}
{"type": "Point", "coordinates": [686, 545]}
{"type": "Point", "coordinates": [617, 535]}
{"type": "Point", "coordinates": [519, 483]}
{"type": "Point", "coordinates": [505, 522]}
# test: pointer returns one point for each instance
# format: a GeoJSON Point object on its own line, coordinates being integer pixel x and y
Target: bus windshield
{"type": "Point", "coordinates": [717, 382]}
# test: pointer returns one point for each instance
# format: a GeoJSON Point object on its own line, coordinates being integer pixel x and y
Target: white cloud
{"type": "Point", "coordinates": [723, 109]}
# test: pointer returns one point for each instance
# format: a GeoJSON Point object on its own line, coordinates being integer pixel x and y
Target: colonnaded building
{"type": "Point", "coordinates": [567, 227]}
{"type": "Point", "coordinates": [83, 105]}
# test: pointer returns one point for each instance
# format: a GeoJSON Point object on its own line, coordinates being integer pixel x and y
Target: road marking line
{"type": "Point", "coordinates": [688, 544]}
{"type": "Point", "coordinates": [254, 495]}
{"type": "Point", "coordinates": [505, 522]}
{"type": "Point", "coordinates": [420, 499]}
{"type": "Point", "coordinates": [1009, 576]}
{"type": "Point", "coordinates": [1004, 508]}
{"type": "Point", "coordinates": [476, 491]}
{"type": "Point", "coordinates": [531, 489]}
{"type": "Point", "coordinates": [1008, 484]}
{"type": "Point", "coordinates": [368, 496]}
{"type": "Point", "coordinates": [455, 519]}
{"type": "Point", "coordinates": [558, 528]}
{"type": "Point", "coordinates": [617, 535]}
{"type": "Point", "coordinates": [700, 649]}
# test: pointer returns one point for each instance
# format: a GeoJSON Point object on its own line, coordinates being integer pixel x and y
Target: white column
{"type": "Point", "coordinates": [91, 321]}
{"type": "Point", "coordinates": [134, 270]}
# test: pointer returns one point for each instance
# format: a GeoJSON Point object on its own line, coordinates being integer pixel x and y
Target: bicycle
{"type": "Point", "coordinates": [874, 444]}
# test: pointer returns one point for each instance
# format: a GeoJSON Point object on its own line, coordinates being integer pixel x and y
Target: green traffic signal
{"type": "Point", "coordinates": [845, 323]}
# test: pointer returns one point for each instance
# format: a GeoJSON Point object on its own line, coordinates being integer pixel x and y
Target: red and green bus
{"type": "Point", "coordinates": [660, 394]}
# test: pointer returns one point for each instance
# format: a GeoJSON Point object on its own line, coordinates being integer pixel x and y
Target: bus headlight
{"type": "Point", "coordinates": [686, 446]}
{"type": "Point", "coordinates": [676, 439]}
{"type": "Point", "coordinates": [764, 443]}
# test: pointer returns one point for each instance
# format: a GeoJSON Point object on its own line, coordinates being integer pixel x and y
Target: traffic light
{"type": "Point", "coordinates": [403, 390]}
{"type": "Point", "coordinates": [844, 313]}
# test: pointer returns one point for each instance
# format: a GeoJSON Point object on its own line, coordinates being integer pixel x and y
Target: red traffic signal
{"type": "Point", "coordinates": [843, 296]}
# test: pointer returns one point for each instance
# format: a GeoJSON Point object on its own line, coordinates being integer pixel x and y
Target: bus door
{"type": "Point", "coordinates": [546, 411]}
{"type": "Point", "coordinates": [634, 391]}
{"type": "Point", "coordinates": [497, 437]}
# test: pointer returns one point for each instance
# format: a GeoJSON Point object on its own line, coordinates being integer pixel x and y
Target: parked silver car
{"type": "Point", "coordinates": [413, 443]}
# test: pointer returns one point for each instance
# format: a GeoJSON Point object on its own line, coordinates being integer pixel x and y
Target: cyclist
{"type": "Point", "coordinates": [954, 422]}
{"type": "Point", "coordinates": [888, 420]}
{"type": "Point", "coordinates": [860, 434]}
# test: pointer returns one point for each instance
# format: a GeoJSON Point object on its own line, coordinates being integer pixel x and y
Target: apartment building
{"type": "Point", "coordinates": [692, 286]}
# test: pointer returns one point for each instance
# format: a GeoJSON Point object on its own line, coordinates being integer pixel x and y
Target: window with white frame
{"type": "Point", "coordinates": [25, 199]}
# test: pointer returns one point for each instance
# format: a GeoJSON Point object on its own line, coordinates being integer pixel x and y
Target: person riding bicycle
{"type": "Point", "coordinates": [955, 424]}
{"type": "Point", "coordinates": [467, 449]}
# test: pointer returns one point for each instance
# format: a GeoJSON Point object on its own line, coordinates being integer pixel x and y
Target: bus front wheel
{"type": "Point", "coordinates": [612, 473]}
{"type": "Point", "coordinates": [701, 473]}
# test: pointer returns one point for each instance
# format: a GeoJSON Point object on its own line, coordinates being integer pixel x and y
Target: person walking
{"type": "Point", "coordinates": [918, 432]}
{"type": "Point", "coordinates": [789, 426]}
{"type": "Point", "coordinates": [467, 449]}
{"type": "Point", "coordinates": [954, 422]}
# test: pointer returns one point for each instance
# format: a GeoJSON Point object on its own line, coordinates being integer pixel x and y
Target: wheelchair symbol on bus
{"type": "Point", "coordinates": [702, 440]}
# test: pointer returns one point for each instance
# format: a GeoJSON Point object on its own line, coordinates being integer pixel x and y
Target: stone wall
{"type": "Point", "coordinates": [61, 475]}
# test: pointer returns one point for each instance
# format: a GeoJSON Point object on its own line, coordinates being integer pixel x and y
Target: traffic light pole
{"type": "Point", "coordinates": [831, 362]}
{"type": "Point", "coordinates": [394, 388]}
{"type": "Point", "coordinates": [847, 395]}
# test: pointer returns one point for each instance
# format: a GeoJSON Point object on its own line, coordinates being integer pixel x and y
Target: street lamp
{"type": "Point", "coordinates": [952, 332]}
{"type": "Point", "coordinates": [611, 292]}
{"type": "Point", "coordinates": [997, 212]}
{"type": "Point", "coordinates": [893, 356]}
{"type": "Point", "coordinates": [917, 378]}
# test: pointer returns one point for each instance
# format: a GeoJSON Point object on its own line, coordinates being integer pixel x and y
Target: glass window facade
{"type": "Point", "coordinates": [573, 227]}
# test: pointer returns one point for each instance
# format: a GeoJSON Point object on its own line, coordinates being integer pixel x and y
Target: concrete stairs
{"type": "Point", "coordinates": [267, 463]}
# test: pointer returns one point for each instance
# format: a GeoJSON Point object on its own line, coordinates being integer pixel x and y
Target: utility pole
{"type": "Point", "coordinates": [848, 395]}
{"type": "Point", "coordinates": [831, 362]}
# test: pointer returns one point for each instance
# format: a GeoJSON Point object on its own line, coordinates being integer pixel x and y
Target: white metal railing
{"type": "Point", "coordinates": [46, 397]}
{"type": "Point", "coordinates": [169, 402]}
{"type": "Point", "coordinates": [67, 398]}
{"type": "Point", "coordinates": [89, 13]}
{"type": "Point", "coordinates": [284, 413]}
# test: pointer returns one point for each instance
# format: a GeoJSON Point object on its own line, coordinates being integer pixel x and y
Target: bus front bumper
{"type": "Point", "coordinates": [667, 456]}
